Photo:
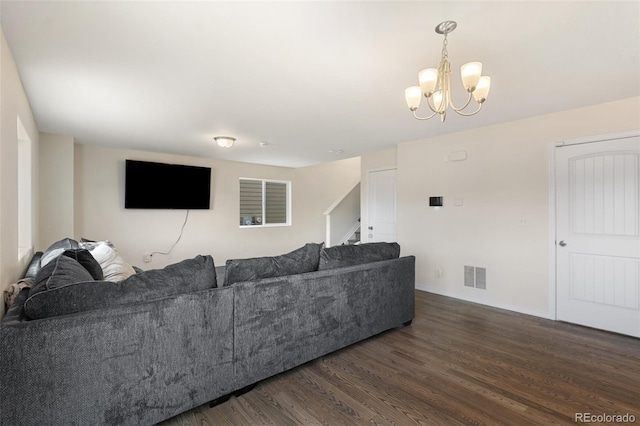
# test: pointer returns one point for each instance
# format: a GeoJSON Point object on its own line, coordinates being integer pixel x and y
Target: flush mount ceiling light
{"type": "Point", "coordinates": [434, 83]}
{"type": "Point", "coordinates": [224, 141]}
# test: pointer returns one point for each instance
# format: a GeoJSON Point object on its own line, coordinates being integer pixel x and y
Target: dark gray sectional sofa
{"type": "Point", "coordinates": [147, 359]}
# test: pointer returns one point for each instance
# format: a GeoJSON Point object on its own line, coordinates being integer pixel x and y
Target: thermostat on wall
{"type": "Point", "coordinates": [435, 201]}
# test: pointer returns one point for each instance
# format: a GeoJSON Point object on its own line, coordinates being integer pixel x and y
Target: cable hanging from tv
{"type": "Point", "coordinates": [186, 218]}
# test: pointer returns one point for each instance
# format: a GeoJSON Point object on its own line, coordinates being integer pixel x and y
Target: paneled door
{"type": "Point", "coordinates": [598, 234]}
{"type": "Point", "coordinates": [382, 206]}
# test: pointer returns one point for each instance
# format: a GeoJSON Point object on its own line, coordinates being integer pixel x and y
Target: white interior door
{"type": "Point", "coordinates": [382, 206]}
{"type": "Point", "coordinates": [597, 234]}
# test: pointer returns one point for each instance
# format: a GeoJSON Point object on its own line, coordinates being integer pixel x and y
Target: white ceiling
{"type": "Point", "coordinates": [304, 77]}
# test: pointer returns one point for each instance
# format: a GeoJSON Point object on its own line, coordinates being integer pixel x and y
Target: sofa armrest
{"type": "Point", "coordinates": [135, 364]}
{"type": "Point", "coordinates": [15, 313]}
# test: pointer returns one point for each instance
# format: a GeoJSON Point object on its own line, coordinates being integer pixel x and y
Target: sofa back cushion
{"type": "Point", "coordinates": [347, 255]}
{"type": "Point", "coordinates": [87, 294]}
{"type": "Point", "coordinates": [299, 261]}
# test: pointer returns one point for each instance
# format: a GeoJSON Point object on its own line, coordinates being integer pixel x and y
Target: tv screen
{"type": "Point", "coordinates": [166, 186]}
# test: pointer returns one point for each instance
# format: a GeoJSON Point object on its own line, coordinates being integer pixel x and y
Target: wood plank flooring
{"type": "Point", "coordinates": [459, 363]}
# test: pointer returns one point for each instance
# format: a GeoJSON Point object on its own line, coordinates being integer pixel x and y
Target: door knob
{"type": "Point", "coordinates": [562, 243]}
{"type": "Point", "coordinates": [371, 228]}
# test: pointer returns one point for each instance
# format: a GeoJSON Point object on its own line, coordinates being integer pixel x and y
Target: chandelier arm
{"type": "Point", "coordinates": [472, 113]}
{"type": "Point", "coordinates": [463, 107]}
{"type": "Point", "coordinates": [423, 118]}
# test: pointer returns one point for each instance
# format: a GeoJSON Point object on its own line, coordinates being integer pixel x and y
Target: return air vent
{"type": "Point", "coordinates": [481, 278]}
{"type": "Point", "coordinates": [475, 277]}
{"type": "Point", "coordinates": [469, 276]}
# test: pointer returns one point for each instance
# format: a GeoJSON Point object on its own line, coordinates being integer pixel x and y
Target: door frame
{"type": "Point", "coordinates": [553, 312]}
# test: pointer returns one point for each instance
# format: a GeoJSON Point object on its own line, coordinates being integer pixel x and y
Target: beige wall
{"type": "Point", "coordinates": [503, 224]}
{"type": "Point", "coordinates": [56, 188]}
{"type": "Point", "coordinates": [100, 214]}
{"type": "Point", "coordinates": [13, 104]}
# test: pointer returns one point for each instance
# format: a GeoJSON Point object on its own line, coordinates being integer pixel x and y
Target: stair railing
{"type": "Point", "coordinates": [341, 217]}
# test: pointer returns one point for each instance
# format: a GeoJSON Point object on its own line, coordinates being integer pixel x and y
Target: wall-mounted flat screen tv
{"type": "Point", "coordinates": [166, 186]}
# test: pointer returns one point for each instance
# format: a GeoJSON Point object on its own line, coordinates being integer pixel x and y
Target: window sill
{"type": "Point", "coordinates": [268, 225]}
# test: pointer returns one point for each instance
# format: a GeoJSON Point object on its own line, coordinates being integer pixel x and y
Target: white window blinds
{"type": "Point", "coordinates": [264, 202]}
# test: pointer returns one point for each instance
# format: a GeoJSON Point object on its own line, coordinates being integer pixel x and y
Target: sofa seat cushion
{"type": "Point", "coordinates": [87, 294]}
{"type": "Point", "coordinates": [299, 261]}
{"type": "Point", "coordinates": [348, 255]}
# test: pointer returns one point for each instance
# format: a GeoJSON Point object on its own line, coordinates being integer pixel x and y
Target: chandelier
{"type": "Point", "coordinates": [435, 83]}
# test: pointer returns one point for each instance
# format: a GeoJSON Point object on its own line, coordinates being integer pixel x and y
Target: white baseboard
{"type": "Point", "coordinates": [518, 309]}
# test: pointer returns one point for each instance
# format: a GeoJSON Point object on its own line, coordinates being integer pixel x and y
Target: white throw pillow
{"type": "Point", "coordinates": [49, 256]}
{"type": "Point", "coordinates": [114, 268]}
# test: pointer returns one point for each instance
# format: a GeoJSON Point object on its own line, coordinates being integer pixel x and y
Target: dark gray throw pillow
{"type": "Point", "coordinates": [65, 243]}
{"type": "Point", "coordinates": [34, 266]}
{"type": "Point", "coordinates": [84, 257]}
{"type": "Point", "coordinates": [347, 255]}
{"type": "Point", "coordinates": [60, 272]}
{"type": "Point", "coordinates": [184, 277]}
{"type": "Point", "coordinates": [304, 259]}
{"type": "Point", "coordinates": [56, 249]}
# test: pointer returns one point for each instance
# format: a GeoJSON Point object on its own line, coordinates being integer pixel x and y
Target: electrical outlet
{"type": "Point", "coordinates": [439, 271]}
{"type": "Point", "coordinates": [146, 258]}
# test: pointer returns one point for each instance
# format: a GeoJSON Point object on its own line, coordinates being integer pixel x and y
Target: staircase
{"type": "Point", "coordinates": [355, 237]}
{"type": "Point", "coordinates": [343, 219]}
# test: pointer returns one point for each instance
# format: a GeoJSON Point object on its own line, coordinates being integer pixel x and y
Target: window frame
{"type": "Point", "coordinates": [25, 192]}
{"type": "Point", "coordinates": [264, 201]}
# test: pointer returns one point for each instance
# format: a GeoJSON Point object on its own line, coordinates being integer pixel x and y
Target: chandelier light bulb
{"type": "Point", "coordinates": [428, 78]}
{"type": "Point", "coordinates": [413, 95]}
{"type": "Point", "coordinates": [482, 89]}
{"type": "Point", "coordinates": [470, 73]}
{"type": "Point", "coordinates": [437, 101]}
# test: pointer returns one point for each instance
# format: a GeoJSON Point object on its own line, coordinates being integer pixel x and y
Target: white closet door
{"type": "Point", "coordinates": [598, 229]}
{"type": "Point", "coordinates": [382, 206]}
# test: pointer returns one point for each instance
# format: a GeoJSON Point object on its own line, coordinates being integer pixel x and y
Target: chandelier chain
{"type": "Point", "coordinates": [445, 54]}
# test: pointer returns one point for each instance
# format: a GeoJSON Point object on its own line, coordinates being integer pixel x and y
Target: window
{"type": "Point", "coordinates": [265, 202]}
{"type": "Point", "coordinates": [25, 243]}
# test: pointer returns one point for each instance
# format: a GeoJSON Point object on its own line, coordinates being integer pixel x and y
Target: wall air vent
{"type": "Point", "coordinates": [475, 277]}
{"type": "Point", "coordinates": [481, 278]}
{"type": "Point", "coordinates": [469, 276]}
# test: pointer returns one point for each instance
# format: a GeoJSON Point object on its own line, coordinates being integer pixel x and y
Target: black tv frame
{"type": "Point", "coordinates": [152, 185]}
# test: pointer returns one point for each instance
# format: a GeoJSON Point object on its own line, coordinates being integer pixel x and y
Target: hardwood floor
{"type": "Point", "coordinates": [458, 363]}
